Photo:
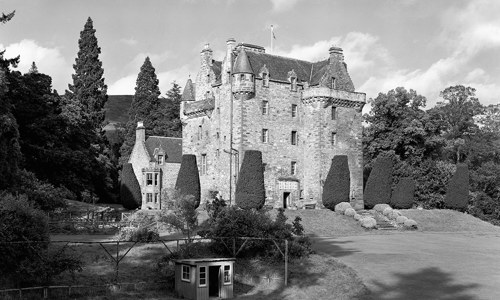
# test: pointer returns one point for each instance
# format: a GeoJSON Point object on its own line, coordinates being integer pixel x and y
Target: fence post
{"type": "Point", "coordinates": [117, 260]}
{"type": "Point", "coordinates": [234, 247]}
{"type": "Point", "coordinates": [286, 262]}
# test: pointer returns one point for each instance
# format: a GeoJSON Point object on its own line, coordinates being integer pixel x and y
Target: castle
{"type": "Point", "coordinates": [298, 113]}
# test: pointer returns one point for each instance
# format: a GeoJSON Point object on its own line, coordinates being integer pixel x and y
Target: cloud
{"type": "Point", "coordinates": [129, 41]}
{"type": "Point", "coordinates": [48, 60]}
{"type": "Point", "coordinates": [283, 5]}
{"type": "Point", "coordinates": [156, 60]}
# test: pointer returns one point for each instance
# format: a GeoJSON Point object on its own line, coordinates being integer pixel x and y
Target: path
{"type": "Point", "coordinates": [417, 265]}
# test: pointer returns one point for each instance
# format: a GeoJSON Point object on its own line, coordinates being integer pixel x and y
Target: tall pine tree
{"type": "Point", "coordinates": [144, 107]}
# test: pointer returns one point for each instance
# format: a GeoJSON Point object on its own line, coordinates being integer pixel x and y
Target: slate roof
{"type": "Point", "coordinates": [189, 91]}
{"type": "Point", "coordinates": [242, 65]}
{"type": "Point", "coordinates": [200, 105]}
{"type": "Point", "coordinates": [171, 146]}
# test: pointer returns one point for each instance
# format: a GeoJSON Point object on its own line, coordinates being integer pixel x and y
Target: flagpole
{"type": "Point", "coordinates": [272, 37]}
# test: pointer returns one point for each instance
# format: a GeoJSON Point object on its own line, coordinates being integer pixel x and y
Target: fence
{"type": "Point", "coordinates": [111, 264]}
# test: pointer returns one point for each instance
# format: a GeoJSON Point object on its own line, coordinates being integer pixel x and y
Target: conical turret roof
{"type": "Point", "coordinates": [189, 91]}
{"type": "Point", "coordinates": [242, 64]}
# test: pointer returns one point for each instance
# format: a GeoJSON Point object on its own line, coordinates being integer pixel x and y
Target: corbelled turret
{"type": "Point", "coordinates": [243, 77]}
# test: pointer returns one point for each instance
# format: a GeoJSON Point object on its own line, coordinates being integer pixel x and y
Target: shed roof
{"type": "Point", "coordinates": [194, 261]}
{"type": "Point", "coordinates": [170, 145]}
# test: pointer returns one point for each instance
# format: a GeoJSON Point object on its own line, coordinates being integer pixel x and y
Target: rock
{"type": "Point", "coordinates": [342, 206]}
{"type": "Point", "coordinates": [380, 207]}
{"type": "Point", "coordinates": [350, 212]}
{"type": "Point", "coordinates": [401, 219]}
{"type": "Point", "coordinates": [409, 223]}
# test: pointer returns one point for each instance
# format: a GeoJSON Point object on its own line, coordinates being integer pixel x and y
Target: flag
{"type": "Point", "coordinates": [272, 32]}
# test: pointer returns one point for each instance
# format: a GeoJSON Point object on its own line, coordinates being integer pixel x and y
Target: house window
{"type": "Point", "coordinates": [149, 197]}
{"type": "Point", "coordinates": [203, 164]}
{"type": "Point", "coordinates": [294, 137]}
{"type": "Point", "coordinates": [156, 197]}
{"type": "Point", "coordinates": [157, 176]}
{"type": "Point", "coordinates": [293, 86]}
{"type": "Point", "coordinates": [227, 274]}
{"type": "Point", "coordinates": [294, 110]}
{"type": "Point", "coordinates": [218, 135]}
{"type": "Point", "coordinates": [265, 80]}
{"type": "Point", "coordinates": [334, 83]}
{"type": "Point", "coordinates": [217, 153]}
{"type": "Point", "coordinates": [185, 273]}
{"type": "Point", "coordinates": [265, 107]}
{"type": "Point", "coordinates": [218, 110]}
{"type": "Point", "coordinates": [293, 168]}
{"type": "Point", "coordinates": [149, 178]}
{"type": "Point", "coordinates": [200, 134]}
{"type": "Point", "coordinates": [334, 113]}
{"type": "Point", "coordinates": [333, 138]}
{"type": "Point", "coordinates": [160, 159]}
{"type": "Point", "coordinates": [265, 136]}
{"type": "Point", "coordinates": [203, 276]}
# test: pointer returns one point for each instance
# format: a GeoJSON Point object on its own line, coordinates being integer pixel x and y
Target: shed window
{"type": "Point", "coordinates": [203, 276]}
{"type": "Point", "coordinates": [149, 178]}
{"type": "Point", "coordinates": [185, 273]}
{"type": "Point", "coordinates": [227, 274]}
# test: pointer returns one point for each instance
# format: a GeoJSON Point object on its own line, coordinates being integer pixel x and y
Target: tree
{"type": "Point", "coordinates": [338, 183]}
{"type": "Point", "coordinates": [144, 107]}
{"type": "Point", "coordinates": [130, 190]}
{"type": "Point", "coordinates": [188, 179]}
{"type": "Point", "coordinates": [184, 217]}
{"type": "Point", "coordinates": [378, 186]}
{"type": "Point", "coordinates": [250, 192]}
{"type": "Point", "coordinates": [402, 197]}
{"type": "Point", "coordinates": [88, 86]}
{"type": "Point", "coordinates": [167, 118]}
{"type": "Point", "coordinates": [457, 194]}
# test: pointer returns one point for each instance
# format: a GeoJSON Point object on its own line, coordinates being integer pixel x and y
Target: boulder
{"type": "Point", "coordinates": [401, 219]}
{"type": "Point", "coordinates": [409, 223]}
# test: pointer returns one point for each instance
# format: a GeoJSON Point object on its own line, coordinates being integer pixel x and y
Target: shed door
{"type": "Point", "coordinates": [214, 281]}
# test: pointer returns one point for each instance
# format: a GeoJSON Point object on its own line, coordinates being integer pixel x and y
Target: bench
{"type": "Point", "coordinates": [310, 206]}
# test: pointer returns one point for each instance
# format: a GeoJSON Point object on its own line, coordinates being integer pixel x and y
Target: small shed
{"type": "Point", "coordinates": [202, 278]}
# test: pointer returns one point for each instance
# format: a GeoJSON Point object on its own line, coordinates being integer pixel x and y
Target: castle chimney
{"type": "Point", "coordinates": [206, 55]}
{"type": "Point", "coordinates": [336, 53]}
{"type": "Point", "coordinates": [140, 133]}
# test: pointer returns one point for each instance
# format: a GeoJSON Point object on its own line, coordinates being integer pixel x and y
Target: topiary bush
{"type": "Point", "coordinates": [357, 217]}
{"type": "Point", "coordinates": [350, 212]}
{"type": "Point", "coordinates": [368, 222]}
{"type": "Point", "coordinates": [402, 196]}
{"type": "Point", "coordinates": [130, 190]}
{"type": "Point", "coordinates": [394, 214]}
{"type": "Point", "coordinates": [342, 206]}
{"type": "Point", "coordinates": [338, 183]}
{"type": "Point", "coordinates": [250, 192]}
{"type": "Point", "coordinates": [381, 207]}
{"type": "Point", "coordinates": [409, 223]}
{"type": "Point", "coordinates": [401, 219]}
{"type": "Point", "coordinates": [457, 193]}
{"type": "Point", "coordinates": [387, 211]}
{"type": "Point", "coordinates": [188, 179]}
{"type": "Point", "coordinates": [379, 184]}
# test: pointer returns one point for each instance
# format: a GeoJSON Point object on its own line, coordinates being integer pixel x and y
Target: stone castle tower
{"type": "Point", "coordinates": [298, 113]}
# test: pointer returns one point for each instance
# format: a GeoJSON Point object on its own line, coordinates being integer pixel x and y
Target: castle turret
{"type": "Point", "coordinates": [243, 77]}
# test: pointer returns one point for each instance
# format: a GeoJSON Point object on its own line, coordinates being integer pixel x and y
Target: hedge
{"type": "Point", "coordinates": [130, 190]}
{"type": "Point", "coordinates": [250, 191]}
{"type": "Point", "coordinates": [403, 194]}
{"type": "Point", "coordinates": [338, 183]}
{"type": "Point", "coordinates": [457, 194]}
{"type": "Point", "coordinates": [378, 186]}
{"type": "Point", "coordinates": [188, 179]}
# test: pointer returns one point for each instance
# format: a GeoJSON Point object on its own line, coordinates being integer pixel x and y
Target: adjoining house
{"type": "Point", "coordinates": [202, 278]}
{"type": "Point", "coordinates": [298, 113]}
{"type": "Point", "coordinates": [156, 162]}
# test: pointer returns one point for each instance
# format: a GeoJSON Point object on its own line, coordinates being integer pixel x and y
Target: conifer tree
{"type": "Point", "coordinates": [188, 179]}
{"type": "Point", "coordinates": [168, 122]}
{"type": "Point", "coordinates": [378, 186]}
{"type": "Point", "coordinates": [88, 86]}
{"type": "Point", "coordinates": [144, 107]}
{"type": "Point", "coordinates": [250, 191]}
{"type": "Point", "coordinates": [338, 182]}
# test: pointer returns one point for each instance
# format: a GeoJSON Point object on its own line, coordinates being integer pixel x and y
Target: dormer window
{"type": "Point", "coordinates": [265, 80]}
{"type": "Point", "coordinates": [334, 83]}
{"type": "Point", "coordinates": [293, 86]}
{"type": "Point", "coordinates": [160, 159]}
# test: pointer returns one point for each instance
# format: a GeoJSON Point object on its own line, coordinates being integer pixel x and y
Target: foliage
{"type": "Point", "coordinates": [213, 208]}
{"type": "Point", "coordinates": [188, 178]}
{"type": "Point", "coordinates": [402, 196]}
{"type": "Point", "coordinates": [41, 194]}
{"type": "Point", "coordinates": [185, 217]}
{"type": "Point", "coordinates": [138, 234]}
{"type": "Point", "coordinates": [338, 183]}
{"type": "Point", "coordinates": [485, 208]}
{"type": "Point", "coordinates": [250, 192]}
{"type": "Point", "coordinates": [130, 190]}
{"type": "Point", "coordinates": [378, 186]}
{"type": "Point", "coordinates": [167, 117]}
{"type": "Point", "coordinates": [457, 193]}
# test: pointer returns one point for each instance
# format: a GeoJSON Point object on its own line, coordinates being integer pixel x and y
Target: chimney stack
{"type": "Point", "coordinates": [140, 133]}
{"type": "Point", "coordinates": [336, 53]}
{"type": "Point", "coordinates": [206, 55]}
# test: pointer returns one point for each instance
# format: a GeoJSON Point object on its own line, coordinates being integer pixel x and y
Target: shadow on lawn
{"type": "Point", "coordinates": [428, 283]}
{"type": "Point", "coordinates": [331, 246]}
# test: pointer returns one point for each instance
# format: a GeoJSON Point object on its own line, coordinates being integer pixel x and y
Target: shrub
{"type": "Point", "coordinates": [43, 195]}
{"type": "Point", "coordinates": [410, 223]}
{"type": "Point", "coordinates": [130, 190]}
{"type": "Point", "coordinates": [394, 214]}
{"type": "Point", "coordinates": [250, 192]}
{"type": "Point", "coordinates": [350, 212]}
{"type": "Point", "coordinates": [213, 208]}
{"type": "Point", "coordinates": [368, 222]}
{"type": "Point", "coordinates": [381, 207]}
{"type": "Point", "coordinates": [357, 217]}
{"type": "Point", "coordinates": [485, 208]}
{"type": "Point", "coordinates": [342, 206]}
{"type": "Point", "coordinates": [403, 194]}
{"type": "Point", "coordinates": [387, 211]}
{"type": "Point", "coordinates": [457, 194]}
{"type": "Point", "coordinates": [337, 184]}
{"type": "Point", "coordinates": [188, 179]}
{"type": "Point", "coordinates": [185, 216]}
{"type": "Point", "coordinates": [401, 219]}
{"type": "Point", "coordinates": [138, 234]}
{"type": "Point", "coordinates": [378, 186]}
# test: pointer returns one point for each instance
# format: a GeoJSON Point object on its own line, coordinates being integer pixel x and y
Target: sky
{"type": "Point", "coordinates": [422, 45]}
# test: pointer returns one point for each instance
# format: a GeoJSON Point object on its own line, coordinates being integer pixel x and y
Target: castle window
{"type": "Point", "coordinates": [149, 197]}
{"type": "Point", "coordinates": [156, 179]}
{"type": "Point", "coordinates": [334, 113]}
{"type": "Point", "coordinates": [185, 273]}
{"type": "Point", "coordinates": [333, 138]}
{"type": "Point", "coordinates": [265, 80]}
{"type": "Point", "coordinates": [265, 107]}
{"type": "Point", "coordinates": [203, 164]}
{"type": "Point", "coordinates": [160, 159]}
{"type": "Point", "coordinates": [200, 133]}
{"type": "Point", "coordinates": [218, 135]}
{"type": "Point", "coordinates": [293, 86]}
{"type": "Point", "coordinates": [217, 153]}
{"type": "Point", "coordinates": [294, 110]}
{"type": "Point", "coordinates": [242, 77]}
{"type": "Point", "coordinates": [265, 136]}
{"type": "Point", "coordinates": [208, 78]}
{"type": "Point", "coordinates": [149, 178]}
{"type": "Point", "coordinates": [294, 138]}
{"type": "Point", "coordinates": [218, 110]}
{"type": "Point", "coordinates": [334, 83]}
{"type": "Point", "coordinates": [203, 276]}
{"type": "Point", "coordinates": [293, 168]}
